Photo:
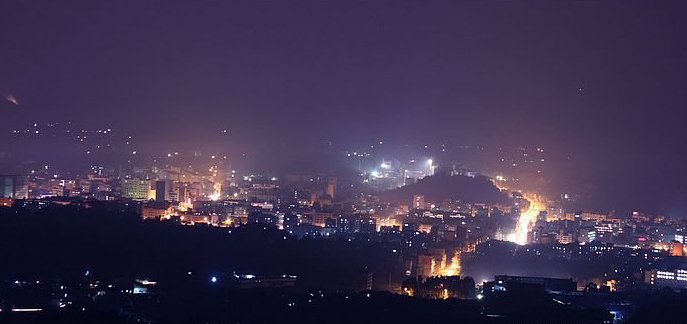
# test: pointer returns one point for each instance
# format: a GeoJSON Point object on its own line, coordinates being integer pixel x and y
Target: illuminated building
{"type": "Point", "coordinates": [674, 279]}
{"type": "Point", "coordinates": [85, 185]}
{"type": "Point", "coordinates": [196, 219]}
{"type": "Point", "coordinates": [418, 202]}
{"type": "Point", "coordinates": [424, 267]}
{"type": "Point", "coordinates": [640, 217]}
{"type": "Point", "coordinates": [263, 218]}
{"type": "Point", "coordinates": [534, 236]}
{"type": "Point", "coordinates": [68, 187]}
{"type": "Point", "coordinates": [587, 235]}
{"type": "Point", "coordinates": [589, 216]}
{"type": "Point", "coordinates": [555, 213]}
{"type": "Point", "coordinates": [263, 193]}
{"type": "Point", "coordinates": [565, 238]}
{"type": "Point", "coordinates": [527, 218]}
{"type": "Point", "coordinates": [411, 176]}
{"type": "Point", "coordinates": [320, 218]}
{"type": "Point", "coordinates": [677, 249]}
{"type": "Point", "coordinates": [368, 225]}
{"type": "Point", "coordinates": [156, 210]}
{"type": "Point", "coordinates": [345, 224]}
{"type": "Point", "coordinates": [228, 190]}
{"type": "Point", "coordinates": [444, 233]}
{"type": "Point", "coordinates": [501, 235]}
{"type": "Point", "coordinates": [290, 221]}
{"type": "Point", "coordinates": [5, 202]}
{"type": "Point", "coordinates": [504, 283]}
{"type": "Point", "coordinates": [143, 286]}
{"type": "Point", "coordinates": [14, 186]}
{"type": "Point", "coordinates": [136, 189]}
{"type": "Point", "coordinates": [331, 187]}
{"type": "Point", "coordinates": [364, 280]}
{"type": "Point", "coordinates": [182, 193]}
{"type": "Point", "coordinates": [167, 190]}
{"type": "Point", "coordinates": [439, 256]}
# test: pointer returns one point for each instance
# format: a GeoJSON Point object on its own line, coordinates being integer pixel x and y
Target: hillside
{"type": "Point", "coordinates": [439, 187]}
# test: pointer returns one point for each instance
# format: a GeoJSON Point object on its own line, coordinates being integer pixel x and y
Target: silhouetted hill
{"type": "Point", "coordinates": [439, 187]}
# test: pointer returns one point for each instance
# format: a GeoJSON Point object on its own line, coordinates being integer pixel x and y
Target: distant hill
{"type": "Point", "coordinates": [439, 187]}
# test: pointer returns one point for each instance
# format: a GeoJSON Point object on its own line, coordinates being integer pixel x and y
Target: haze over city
{"type": "Point", "coordinates": [600, 83]}
{"type": "Point", "coordinates": [489, 129]}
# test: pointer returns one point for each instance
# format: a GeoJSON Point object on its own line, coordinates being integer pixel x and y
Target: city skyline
{"type": "Point", "coordinates": [600, 84]}
{"type": "Point", "coordinates": [343, 162]}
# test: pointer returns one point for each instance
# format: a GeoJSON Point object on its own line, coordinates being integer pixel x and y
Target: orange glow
{"type": "Point", "coordinates": [452, 269]}
{"type": "Point", "coordinates": [526, 220]}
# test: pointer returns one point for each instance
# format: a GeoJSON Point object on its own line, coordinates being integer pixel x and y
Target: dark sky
{"type": "Point", "coordinates": [605, 82]}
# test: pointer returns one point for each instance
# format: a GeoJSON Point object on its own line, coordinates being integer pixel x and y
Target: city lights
{"type": "Point", "coordinates": [411, 161]}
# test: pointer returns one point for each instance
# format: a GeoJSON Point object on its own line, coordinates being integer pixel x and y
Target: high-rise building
{"type": "Point", "coordinates": [331, 187]}
{"type": "Point", "coordinates": [14, 186]}
{"type": "Point", "coordinates": [534, 236]}
{"type": "Point", "coordinates": [160, 190]}
{"type": "Point", "coordinates": [418, 202]}
{"type": "Point", "coordinates": [136, 189]}
{"type": "Point", "coordinates": [424, 266]}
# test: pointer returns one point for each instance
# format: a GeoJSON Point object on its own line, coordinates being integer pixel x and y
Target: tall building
{"type": "Point", "coordinates": [534, 236]}
{"type": "Point", "coordinates": [331, 187]}
{"type": "Point", "coordinates": [160, 190]}
{"type": "Point", "coordinates": [167, 190]}
{"type": "Point", "coordinates": [430, 167]}
{"type": "Point", "coordinates": [424, 266]}
{"type": "Point", "coordinates": [418, 202]}
{"type": "Point", "coordinates": [14, 186]}
{"type": "Point", "coordinates": [136, 189]}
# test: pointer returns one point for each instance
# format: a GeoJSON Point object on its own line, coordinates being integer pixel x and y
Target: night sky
{"type": "Point", "coordinates": [602, 82]}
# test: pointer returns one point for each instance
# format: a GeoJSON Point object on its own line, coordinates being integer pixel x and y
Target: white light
{"type": "Point", "coordinates": [480, 296]}
{"type": "Point", "coordinates": [26, 309]}
{"type": "Point", "coordinates": [430, 162]}
{"type": "Point", "coordinates": [214, 279]}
